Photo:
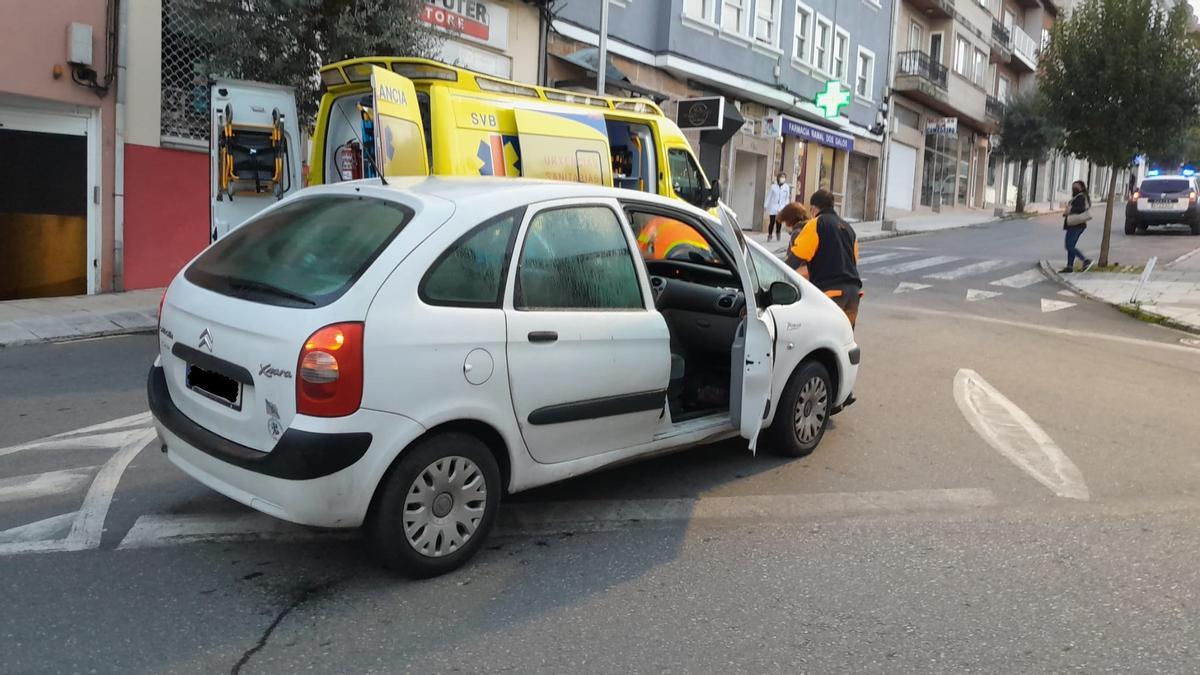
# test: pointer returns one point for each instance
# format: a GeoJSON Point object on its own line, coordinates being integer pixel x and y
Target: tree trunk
{"type": "Point", "coordinates": [1108, 214]}
{"type": "Point", "coordinates": [1021, 166]}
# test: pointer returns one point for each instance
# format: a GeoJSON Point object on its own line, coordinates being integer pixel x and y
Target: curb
{"type": "Point", "coordinates": [1053, 274]}
{"type": "Point", "coordinates": [78, 338]}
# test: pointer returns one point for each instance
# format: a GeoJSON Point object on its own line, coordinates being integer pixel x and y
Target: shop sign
{"type": "Point", "coordinates": [475, 20]}
{"type": "Point", "coordinates": [698, 114]}
{"type": "Point", "coordinates": [794, 127]}
{"type": "Point", "coordinates": [832, 99]}
{"type": "Point", "coordinates": [945, 126]}
{"type": "Point", "coordinates": [771, 126]}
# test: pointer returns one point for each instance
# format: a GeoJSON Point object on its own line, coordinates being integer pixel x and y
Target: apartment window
{"type": "Point", "coordinates": [1045, 38]}
{"type": "Point", "coordinates": [980, 71]}
{"type": "Point", "coordinates": [864, 82]}
{"type": "Point", "coordinates": [700, 9]}
{"type": "Point", "coordinates": [803, 37]}
{"type": "Point", "coordinates": [1002, 89]}
{"type": "Point", "coordinates": [841, 52]}
{"type": "Point", "coordinates": [962, 57]}
{"type": "Point", "coordinates": [766, 21]}
{"type": "Point", "coordinates": [821, 44]}
{"type": "Point", "coordinates": [733, 16]}
{"type": "Point", "coordinates": [916, 37]}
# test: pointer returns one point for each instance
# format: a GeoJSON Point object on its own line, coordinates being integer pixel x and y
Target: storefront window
{"type": "Point", "coordinates": [964, 170]}
{"type": "Point", "coordinates": [940, 170]}
{"type": "Point", "coordinates": [825, 181]}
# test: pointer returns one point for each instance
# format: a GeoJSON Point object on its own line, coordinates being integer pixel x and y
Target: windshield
{"type": "Point", "coordinates": [303, 254]}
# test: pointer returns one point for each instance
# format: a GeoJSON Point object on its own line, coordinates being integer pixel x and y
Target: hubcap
{"type": "Point", "coordinates": [811, 409]}
{"type": "Point", "coordinates": [444, 507]}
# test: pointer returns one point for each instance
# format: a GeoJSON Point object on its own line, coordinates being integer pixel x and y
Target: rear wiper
{"type": "Point", "coordinates": [252, 285]}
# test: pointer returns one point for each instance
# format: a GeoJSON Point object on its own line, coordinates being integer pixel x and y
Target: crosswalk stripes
{"type": "Point", "coordinates": [914, 265]}
{"type": "Point", "coordinates": [971, 270]}
{"type": "Point", "coordinates": [1022, 280]}
{"type": "Point", "coordinates": [974, 295]}
{"type": "Point", "coordinates": [880, 257]}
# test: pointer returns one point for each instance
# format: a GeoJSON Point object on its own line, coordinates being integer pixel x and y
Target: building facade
{"type": "Point", "coordinates": [768, 60]}
{"type": "Point", "coordinates": [58, 131]}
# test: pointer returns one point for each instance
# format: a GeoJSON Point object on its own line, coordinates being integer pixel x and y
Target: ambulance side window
{"type": "Point", "coordinates": [686, 178]}
{"type": "Point", "coordinates": [634, 157]}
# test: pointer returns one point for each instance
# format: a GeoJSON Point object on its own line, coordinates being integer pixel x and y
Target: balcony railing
{"type": "Point", "coordinates": [1024, 46]}
{"type": "Point", "coordinates": [995, 109]}
{"type": "Point", "coordinates": [1000, 33]}
{"type": "Point", "coordinates": [919, 64]}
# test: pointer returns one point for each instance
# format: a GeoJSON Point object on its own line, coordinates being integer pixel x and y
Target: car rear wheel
{"type": "Point", "coordinates": [803, 412]}
{"type": "Point", "coordinates": [436, 506]}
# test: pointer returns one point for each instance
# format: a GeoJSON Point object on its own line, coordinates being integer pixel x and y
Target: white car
{"type": "Point", "coordinates": [400, 357]}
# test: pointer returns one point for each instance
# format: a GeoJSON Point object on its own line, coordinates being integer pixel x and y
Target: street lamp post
{"type": "Point", "coordinates": [601, 67]}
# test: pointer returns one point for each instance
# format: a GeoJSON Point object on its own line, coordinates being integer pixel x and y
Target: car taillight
{"type": "Point", "coordinates": [1136, 195]}
{"type": "Point", "coordinates": [1192, 196]}
{"type": "Point", "coordinates": [329, 378]}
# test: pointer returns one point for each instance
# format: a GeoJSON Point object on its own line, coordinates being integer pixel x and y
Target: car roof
{"type": "Point", "coordinates": [489, 194]}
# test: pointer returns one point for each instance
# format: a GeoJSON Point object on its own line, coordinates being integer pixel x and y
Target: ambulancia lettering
{"type": "Point", "coordinates": [392, 95]}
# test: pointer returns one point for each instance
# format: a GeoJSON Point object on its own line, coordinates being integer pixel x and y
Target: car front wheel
{"type": "Point", "coordinates": [436, 507]}
{"type": "Point", "coordinates": [803, 412]}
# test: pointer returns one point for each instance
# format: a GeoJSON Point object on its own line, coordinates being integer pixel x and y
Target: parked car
{"type": "Point", "coordinates": [400, 357]}
{"type": "Point", "coordinates": [1163, 200]}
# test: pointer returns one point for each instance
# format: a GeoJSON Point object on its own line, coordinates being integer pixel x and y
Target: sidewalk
{"type": "Point", "coordinates": [914, 224]}
{"type": "Point", "coordinates": [81, 316]}
{"type": "Point", "coordinates": [1171, 295]}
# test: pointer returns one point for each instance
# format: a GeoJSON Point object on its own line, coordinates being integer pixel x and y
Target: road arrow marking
{"type": "Point", "coordinates": [1055, 305]}
{"type": "Point", "coordinates": [906, 286]}
{"type": "Point", "coordinates": [1015, 435]}
{"type": "Point", "coordinates": [974, 295]}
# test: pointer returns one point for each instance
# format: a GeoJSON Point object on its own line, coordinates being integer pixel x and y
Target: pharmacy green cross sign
{"type": "Point", "coordinates": [832, 99]}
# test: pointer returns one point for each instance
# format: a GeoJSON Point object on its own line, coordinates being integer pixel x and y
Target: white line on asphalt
{"type": "Point", "coordinates": [880, 257]}
{"type": "Point", "coordinates": [1055, 305]}
{"type": "Point", "coordinates": [912, 265]}
{"type": "Point", "coordinates": [1065, 332]}
{"type": "Point", "coordinates": [38, 530]}
{"type": "Point", "coordinates": [524, 518]}
{"type": "Point", "coordinates": [974, 295]}
{"type": "Point", "coordinates": [105, 440]}
{"type": "Point", "coordinates": [906, 286]}
{"type": "Point", "coordinates": [139, 420]}
{"type": "Point", "coordinates": [43, 484]}
{"type": "Point", "coordinates": [89, 525]}
{"type": "Point", "coordinates": [1015, 435]}
{"type": "Point", "coordinates": [971, 270]}
{"type": "Point", "coordinates": [1022, 280]}
{"type": "Point", "coordinates": [1068, 294]}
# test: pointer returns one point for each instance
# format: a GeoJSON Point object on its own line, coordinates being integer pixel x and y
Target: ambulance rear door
{"type": "Point", "coordinates": [399, 133]}
{"type": "Point", "coordinates": [564, 145]}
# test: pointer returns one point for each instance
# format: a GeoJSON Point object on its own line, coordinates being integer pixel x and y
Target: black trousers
{"type": "Point", "coordinates": [774, 226]}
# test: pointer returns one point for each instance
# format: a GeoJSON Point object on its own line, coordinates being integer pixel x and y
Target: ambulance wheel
{"type": "Point", "coordinates": [803, 412]}
{"type": "Point", "coordinates": [435, 506]}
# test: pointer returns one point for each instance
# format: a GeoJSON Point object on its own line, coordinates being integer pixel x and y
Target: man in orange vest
{"type": "Point", "coordinates": [665, 238]}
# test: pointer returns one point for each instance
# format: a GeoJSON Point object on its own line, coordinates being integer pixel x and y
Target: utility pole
{"type": "Point", "coordinates": [601, 75]}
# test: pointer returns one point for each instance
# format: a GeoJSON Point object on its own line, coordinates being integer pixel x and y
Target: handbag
{"type": "Point", "coordinates": [1079, 218]}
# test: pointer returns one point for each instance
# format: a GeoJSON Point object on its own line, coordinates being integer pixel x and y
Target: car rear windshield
{"type": "Point", "coordinates": [304, 254]}
{"type": "Point", "coordinates": [1166, 185]}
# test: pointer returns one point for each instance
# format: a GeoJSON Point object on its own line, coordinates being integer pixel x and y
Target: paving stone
{"type": "Point", "coordinates": [12, 334]}
{"type": "Point", "coordinates": [131, 320]}
{"type": "Point", "coordinates": [48, 327]}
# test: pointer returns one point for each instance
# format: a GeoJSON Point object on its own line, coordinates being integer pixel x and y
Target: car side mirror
{"type": "Point", "coordinates": [781, 293]}
{"type": "Point", "coordinates": [714, 194]}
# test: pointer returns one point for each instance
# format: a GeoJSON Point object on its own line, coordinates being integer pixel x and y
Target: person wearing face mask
{"type": "Point", "coordinates": [777, 197]}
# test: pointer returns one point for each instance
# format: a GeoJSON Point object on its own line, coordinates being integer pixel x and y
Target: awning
{"type": "Point", "coordinates": [589, 60]}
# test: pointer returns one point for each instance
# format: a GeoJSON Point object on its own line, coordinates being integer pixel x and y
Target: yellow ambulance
{"type": "Point", "coordinates": [464, 123]}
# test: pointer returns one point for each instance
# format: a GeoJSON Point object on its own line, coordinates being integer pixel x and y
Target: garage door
{"type": "Point", "coordinates": [902, 170]}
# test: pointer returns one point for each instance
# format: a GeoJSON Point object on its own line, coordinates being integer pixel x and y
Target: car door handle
{"type": "Point", "coordinates": [543, 336]}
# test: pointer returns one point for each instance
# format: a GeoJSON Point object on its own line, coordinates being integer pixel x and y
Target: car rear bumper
{"type": "Point", "coordinates": [321, 477]}
{"type": "Point", "coordinates": [1163, 217]}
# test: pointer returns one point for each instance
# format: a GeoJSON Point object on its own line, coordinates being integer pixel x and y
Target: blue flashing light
{"type": "Point", "coordinates": [1153, 172]}
{"type": "Point", "coordinates": [1189, 171]}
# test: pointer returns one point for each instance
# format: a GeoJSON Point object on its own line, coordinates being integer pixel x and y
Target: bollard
{"type": "Point", "coordinates": [1142, 281]}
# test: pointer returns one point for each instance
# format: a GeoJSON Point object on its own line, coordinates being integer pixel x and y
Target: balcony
{"type": "Point", "coordinates": [995, 109]}
{"type": "Point", "coordinates": [1001, 43]}
{"type": "Point", "coordinates": [935, 9]}
{"type": "Point", "coordinates": [1025, 49]}
{"type": "Point", "coordinates": [917, 64]}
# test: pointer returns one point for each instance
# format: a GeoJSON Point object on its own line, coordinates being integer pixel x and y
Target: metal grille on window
{"type": "Point", "coordinates": [186, 40]}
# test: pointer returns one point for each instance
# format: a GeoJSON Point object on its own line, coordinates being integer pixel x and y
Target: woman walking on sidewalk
{"type": "Point", "coordinates": [1075, 218]}
{"type": "Point", "coordinates": [777, 197]}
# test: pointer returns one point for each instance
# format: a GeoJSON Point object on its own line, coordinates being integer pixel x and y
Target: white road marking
{"type": "Point", "coordinates": [906, 286]}
{"type": "Point", "coordinates": [880, 257]}
{"type": "Point", "coordinates": [1015, 435]}
{"type": "Point", "coordinates": [89, 525]}
{"type": "Point", "coordinates": [912, 265]}
{"type": "Point", "coordinates": [971, 270]}
{"type": "Point", "coordinates": [38, 530]}
{"type": "Point", "coordinates": [1068, 294]}
{"type": "Point", "coordinates": [526, 518]}
{"type": "Point", "coordinates": [139, 420]}
{"type": "Point", "coordinates": [975, 295]}
{"type": "Point", "coordinates": [1055, 305]}
{"type": "Point", "coordinates": [1022, 280]}
{"type": "Point", "coordinates": [1064, 332]}
{"type": "Point", "coordinates": [43, 484]}
{"type": "Point", "coordinates": [104, 440]}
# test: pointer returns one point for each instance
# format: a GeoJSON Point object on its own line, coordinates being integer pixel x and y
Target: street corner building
{"type": "Point", "coordinates": [758, 86]}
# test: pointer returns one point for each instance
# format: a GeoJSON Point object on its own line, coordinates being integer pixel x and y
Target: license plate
{"type": "Point", "coordinates": [213, 385]}
{"type": "Point", "coordinates": [1164, 204]}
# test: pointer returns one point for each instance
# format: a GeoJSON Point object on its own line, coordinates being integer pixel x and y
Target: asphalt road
{"type": "Point", "coordinates": [907, 543]}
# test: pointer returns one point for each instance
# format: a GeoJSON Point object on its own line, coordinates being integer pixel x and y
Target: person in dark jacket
{"type": "Point", "coordinates": [825, 251]}
{"type": "Point", "coordinates": [1079, 204]}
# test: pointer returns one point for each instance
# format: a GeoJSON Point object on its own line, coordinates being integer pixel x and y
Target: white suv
{"type": "Point", "coordinates": [399, 357]}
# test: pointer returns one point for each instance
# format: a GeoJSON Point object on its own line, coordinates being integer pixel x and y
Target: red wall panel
{"type": "Point", "coordinates": [166, 212]}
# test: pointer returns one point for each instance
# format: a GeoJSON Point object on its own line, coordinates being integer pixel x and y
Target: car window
{"type": "Point", "coordinates": [471, 272]}
{"type": "Point", "coordinates": [577, 258]}
{"type": "Point", "coordinates": [302, 254]}
{"type": "Point", "coordinates": [662, 237]}
{"type": "Point", "coordinates": [768, 271]}
{"type": "Point", "coordinates": [686, 177]}
{"type": "Point", "coordinates": [1166, 185]}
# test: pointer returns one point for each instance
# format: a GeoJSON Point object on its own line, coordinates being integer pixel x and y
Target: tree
{"type": "Point", "coordinates": [1026, 135]}
{"type": "Point", "coordinates": [287, 41]}
{"type": "Point", "coordinates": [1123, 79]}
